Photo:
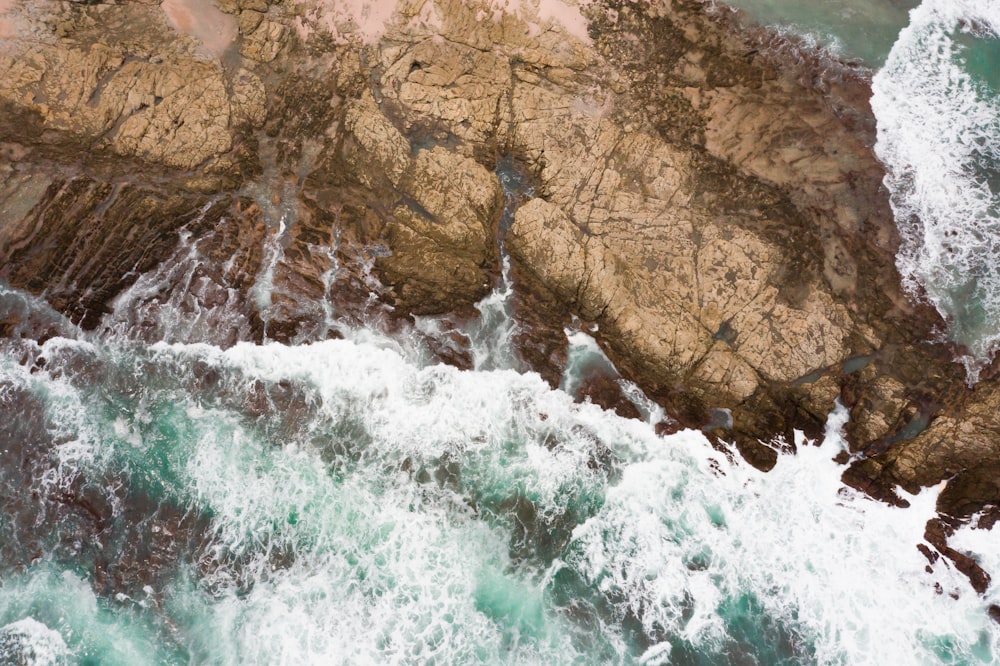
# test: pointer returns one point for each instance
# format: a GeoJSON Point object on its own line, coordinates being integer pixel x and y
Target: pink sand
{"type": "Point", "coordinates": [546, 12]}
{"type": "Point", "coordinates": [8, 23]}
{"type": "Point", "coordinates": [202, 20]}
{"type": "Point", "coordinates": [366, 18]}
{"type": "Point", "coordinates": [568, 16]}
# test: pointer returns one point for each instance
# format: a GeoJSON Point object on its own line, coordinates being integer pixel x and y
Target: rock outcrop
{"type": "Point", "coordinates": [711, 207]}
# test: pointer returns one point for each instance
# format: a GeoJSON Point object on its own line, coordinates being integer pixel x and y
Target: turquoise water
{"type": "Point", "coordinates": [863, 30]}
{"type": "Point", "coordinates": [346, 502]}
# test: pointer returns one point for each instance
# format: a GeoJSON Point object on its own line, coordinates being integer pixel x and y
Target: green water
{"type": "Point", "coordinates": [334, 503]}
{"type": "Point", "coordinates": [856, 29]}
{"type": "Point", "coordinates": [980, 57]}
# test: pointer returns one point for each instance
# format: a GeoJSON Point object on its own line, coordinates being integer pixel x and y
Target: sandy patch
{"type": "Point", "coordinates": [343, 19]}
{"type": "Point", "coordinates": [367, 19]}
{"type": "Point", "coordinates": [541, 15]}
{"type": "Point", "coordinates": [8, 20]}
{"type": "Point", "coordinates": [568, 16]}
{"type": "Point", "coordinates": [202, 20]}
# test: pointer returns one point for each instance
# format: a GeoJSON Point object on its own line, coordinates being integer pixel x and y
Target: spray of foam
{"type": "Point", "coordinates": [405, 515]}
{"type": "Point", "coordinates": [28, 641]}
{"type": "Point", "coordinates": [939, 138]}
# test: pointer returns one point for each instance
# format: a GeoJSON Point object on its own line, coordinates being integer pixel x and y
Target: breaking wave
{"type": "Point", "coordinates": [937, 104]}
{"type": "Point", "coordinates": [340, 503]}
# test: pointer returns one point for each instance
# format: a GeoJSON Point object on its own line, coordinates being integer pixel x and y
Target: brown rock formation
{"type": "Point", "coordinates": [712, 206]}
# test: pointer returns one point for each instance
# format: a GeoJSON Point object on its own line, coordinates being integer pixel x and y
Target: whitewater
{"type": "Point", "coordinates": [351, 501]}
{"type": "Point", "coordinates": [340, 502]}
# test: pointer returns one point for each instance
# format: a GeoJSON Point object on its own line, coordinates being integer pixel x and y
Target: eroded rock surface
{"type": "Point", "coordinates": [712, 208]}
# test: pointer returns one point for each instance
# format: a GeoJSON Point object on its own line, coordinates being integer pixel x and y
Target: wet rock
{"type": "Point", "coordinates": [605, 391]}
{"type": "Point", "coordinates": [710, 202]}
{"type": "Point", "coordinates": [85, 241]}
{"type": "Point", "coordinates": [937, 534]}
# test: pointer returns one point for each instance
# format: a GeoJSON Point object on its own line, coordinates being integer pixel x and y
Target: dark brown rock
{"type": "Point", "coordinates": [937, 534]}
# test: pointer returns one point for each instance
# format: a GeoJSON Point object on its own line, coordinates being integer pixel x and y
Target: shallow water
{"type": "Point", "coordinates": [853, 29]}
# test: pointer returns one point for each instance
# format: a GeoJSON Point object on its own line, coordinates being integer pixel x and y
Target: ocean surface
{"type": "Point", "coordinates": [349, 501]}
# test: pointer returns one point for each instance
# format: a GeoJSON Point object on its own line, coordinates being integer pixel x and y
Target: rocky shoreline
{"type": "Point", "coordinates": [706, 200]}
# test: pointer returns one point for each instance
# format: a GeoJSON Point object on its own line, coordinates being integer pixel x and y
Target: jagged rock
{"type": "Point", "coordinates": [877, 402]}
{"type": "Point", "coordinates": [262, 37]}
{"type": "Point", "coordinates": [716, 211]}
{"type": "Point", "coordinates": [118, 92]}
{"type": "Point", "coordinates": [622, 238]}
{"type": "Point", "coordinates": [442, 217]}
{"type": "Point", "coordinates": [82, 240]}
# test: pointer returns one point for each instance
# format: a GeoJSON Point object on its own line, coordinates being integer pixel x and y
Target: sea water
{"type": "Point", "coordinates": [853, 30]}
{"type": "Point", "coordinates": [347, 501]}
{"type": "Point", "coordinates": [936, 100]}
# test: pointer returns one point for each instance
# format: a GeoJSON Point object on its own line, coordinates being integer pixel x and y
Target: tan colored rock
{"type": "Point", "coordinates": [262, 37]}
{"type": "Point", "coordinates": [179, 118]}
{"type": "Point", "coordinates": [234, 6]}
{"type": "Point", "coordinates": [460, 196]}
{"type": "Point", "coordinates": [878, 405]}
{"type": "Point", "coordinates": [446, 206]}
{"type": "Point", "coordinates": [722, 345]}
{"type": "Point", "coordinates": [952, 444]}
{"type": "Point", "coordinates": [179, 111]}
{"type": "Point", "coordinates": [248, 104]}
{"type": "Point", "coordinates": [445, 238]}
{"type": "Point", "coordinates": [379, 139]}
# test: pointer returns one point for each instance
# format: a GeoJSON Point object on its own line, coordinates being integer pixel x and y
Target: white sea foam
{"type": "Point", "coordinates": [354, 541]}
{"type": "Point", "coordinates": [843, 566]}
{"type": "Point", "coordinates": [939, 138]}
{"type": "Point", "coordinates": [492, 333]}
{"type": "Point", "coordinates": [382, 511]}
{"type": "Point", "coordinates": [29, 642]}
{"type": "Point", "coordinates": [60, 622]}
{"type": "Point", "coordinates": [264, 283]}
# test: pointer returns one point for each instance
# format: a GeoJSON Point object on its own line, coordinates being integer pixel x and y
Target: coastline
{"type": "Point", "coordinates": [765, 150]}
